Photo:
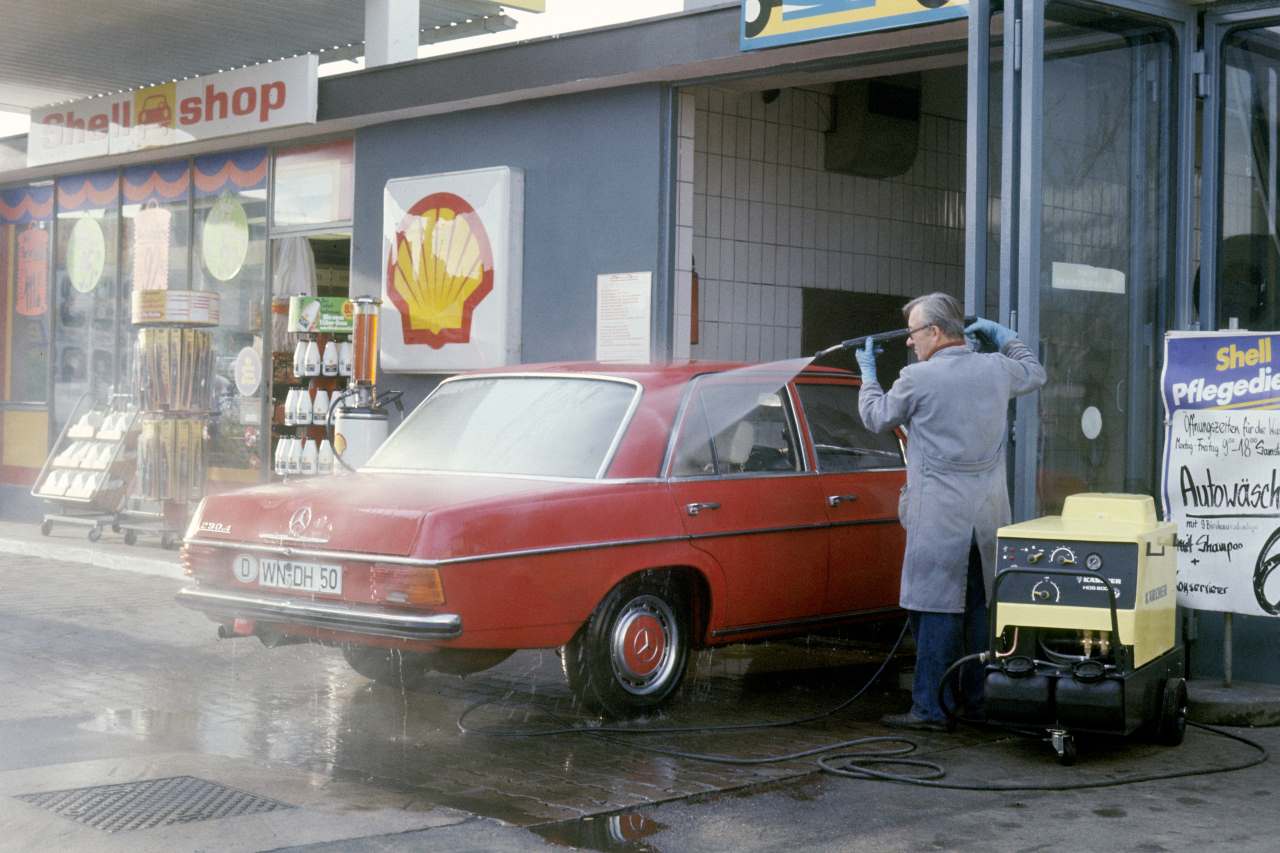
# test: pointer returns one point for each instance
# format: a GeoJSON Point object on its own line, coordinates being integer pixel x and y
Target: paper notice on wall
{"type": "Point", "coordinates": [1223, 490]}
{"type": "Point", "coordinates": [624, 315]}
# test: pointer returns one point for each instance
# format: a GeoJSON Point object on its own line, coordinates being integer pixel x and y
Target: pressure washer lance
{"type": "Point", "coordinates": [878, 338]}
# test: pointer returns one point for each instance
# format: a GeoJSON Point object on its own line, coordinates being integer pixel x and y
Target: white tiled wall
{"type": "Point", "coordinates": [764, 219]}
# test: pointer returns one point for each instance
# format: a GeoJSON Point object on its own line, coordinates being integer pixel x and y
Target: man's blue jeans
{"type": "Point", "coordinates": [941, 638]}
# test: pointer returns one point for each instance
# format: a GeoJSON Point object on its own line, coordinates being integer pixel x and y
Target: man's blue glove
{"type": "Point", "coordinates": [867, 361]}
{"type": "Point", "coordinates": [993, 333]}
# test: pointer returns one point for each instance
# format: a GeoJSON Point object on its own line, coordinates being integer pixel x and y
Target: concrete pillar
{"type": "Point", "coordinates": [390, 31]}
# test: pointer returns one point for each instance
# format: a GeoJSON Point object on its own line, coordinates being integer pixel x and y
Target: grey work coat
{"type": "Point", "coordinates": [954, 408]}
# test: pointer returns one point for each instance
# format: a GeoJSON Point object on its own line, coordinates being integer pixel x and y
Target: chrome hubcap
{"type": "Point", "coordinates": [643, 644]}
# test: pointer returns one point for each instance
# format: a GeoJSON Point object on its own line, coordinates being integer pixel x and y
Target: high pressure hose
{"type": "Point", "coordinates": [861, 763]}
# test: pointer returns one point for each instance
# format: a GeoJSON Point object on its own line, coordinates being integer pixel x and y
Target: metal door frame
{"type": "Point", "coordinates": [1022, 145]}
{"type": "Point", "coordinates": [1217, 26]}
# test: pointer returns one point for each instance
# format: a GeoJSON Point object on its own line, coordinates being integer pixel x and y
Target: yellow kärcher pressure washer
{"type": "Point", "coordinates": [1082, 624]}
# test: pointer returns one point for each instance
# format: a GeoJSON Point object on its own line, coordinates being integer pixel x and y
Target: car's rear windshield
{"type": "Point", "coordinates": [531, 425]}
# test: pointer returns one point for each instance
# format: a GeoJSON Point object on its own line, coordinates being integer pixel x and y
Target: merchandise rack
{"type": "Point", "coordinates": [90, 467]}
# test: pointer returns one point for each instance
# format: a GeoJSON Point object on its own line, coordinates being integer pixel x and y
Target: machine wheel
{"type": "Point", "coordinates": [95, 533]}
{"type": "Point", "coordinates": [466, 661]}
{"type": "Point", "coordinates": [131, 537]}
{"type": "Point", "coordinates": [1173, 713]}
{"type": "Point", "coordinates": [391, 667]}
{"type": "Point", "coordinates": [46, 527]}
{"type": "Point", "coordinates": [630, 656]}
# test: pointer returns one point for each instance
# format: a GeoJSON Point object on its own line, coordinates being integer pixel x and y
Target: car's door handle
{"type": "Point", "coordinates": [695, 507]}
{"type": "Point", "coordinates": [836, 500]}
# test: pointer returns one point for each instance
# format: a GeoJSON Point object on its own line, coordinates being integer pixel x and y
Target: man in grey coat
{"type": "Point", "coordinates": [953, 404]}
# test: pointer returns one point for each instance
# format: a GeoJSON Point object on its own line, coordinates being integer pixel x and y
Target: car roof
{"type": "Point", "coordinates": [663, 374]}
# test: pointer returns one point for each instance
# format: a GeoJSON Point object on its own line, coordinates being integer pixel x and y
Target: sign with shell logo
{"type": "Point", "coordinates": [452, 257]}
{"type": "Point", "coordinates": [773, 23]}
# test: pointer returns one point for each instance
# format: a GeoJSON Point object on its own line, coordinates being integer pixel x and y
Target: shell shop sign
{"type": "Point", "coordinates": [275, 94]}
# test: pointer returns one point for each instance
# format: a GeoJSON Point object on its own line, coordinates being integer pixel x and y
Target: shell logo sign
{"type": "Point", "coordinates": [441, 269]}
{"type": "Point", "coordinates": [452, 254]}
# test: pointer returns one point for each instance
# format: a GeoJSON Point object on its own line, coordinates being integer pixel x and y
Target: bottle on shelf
{"type": "Point", "coordinates": [311, 360]}
{"type": "Point", "coordinates": [329, 359]}
{"type": "Point", "coordinates": [324, 458]}
{"type": "Point", "coordinates": [294, 465]}
{"type": "Point", "coordinates": [282, 456]}
{"type": "Point", "coordinates": [290, 406]}
{"type": "Point", "coordinates": [302, 407]}
{"type": "Point", "coordinates": [320, 407]}
{"type": "Point", "coordinates": [300, 358]}
{"type": "Point", "coordinates": [307, 461]}
{"type": "Point", "coordinates": [346, 358]}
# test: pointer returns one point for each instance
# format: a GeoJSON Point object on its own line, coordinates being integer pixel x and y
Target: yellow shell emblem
{"type": "Point", "coordinates": [439, 270]}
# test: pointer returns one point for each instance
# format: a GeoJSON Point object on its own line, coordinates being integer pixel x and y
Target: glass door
{"type": "Point", "coordinates": [1240, 255]}
{"type": "Point", "coordinates": [1100, 156]}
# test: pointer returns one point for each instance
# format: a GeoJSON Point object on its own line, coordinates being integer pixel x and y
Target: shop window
{"type": "Point", "coordinates": [92, 333]}
{"type": "Point", "coordinates": [314, 185]}
{"type": "Point", "coordinates": [26, 220]}
{"type": "Point", "coordinates": [156, 218]}
{"type": "Point", "coordinates": [1248, 292]}
{"type": "Point", "coordinates": [229, 238]}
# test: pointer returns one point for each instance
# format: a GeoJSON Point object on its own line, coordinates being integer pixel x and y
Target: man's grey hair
{"type": "Point", "coordinates": [941, 310]}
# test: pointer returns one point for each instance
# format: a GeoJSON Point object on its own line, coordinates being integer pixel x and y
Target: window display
{"type": "Point", "coordinates": [26, 220]}
{"type": "Point", "coordinates": [88, 342]}
{"type": "Point", "coordinates": [230, 243]}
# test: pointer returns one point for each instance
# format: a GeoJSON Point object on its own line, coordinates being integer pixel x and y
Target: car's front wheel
{"type": "Point", "coordinates": [392, 667]}
{"type": "Point", "coordinates": [631, 654]}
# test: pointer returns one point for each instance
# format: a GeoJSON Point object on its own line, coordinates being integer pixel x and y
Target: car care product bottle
{"type": "Point", "coordinates": [299, 358]}
{"type": "Point", "coordinates": [329, 360]}
{"type": "Point", "coordinates": [320, 407]}
{"type": "Point", "coordinates": [290, 406]}
{"type": "Point", "coordinates": [324, 458]}
{"type": "Point", "coordinates": [282, 451]}
{"type": "Point", "coordinates": [346, 358]}
{"type": "Point", "coordinates": [307, 464]}
{"type": "Point", "coordinates": [311, 362]}
{"type": "Point", "coordinates": [302, 408]}
{"type": "Point", "coordinates": [295, 456]}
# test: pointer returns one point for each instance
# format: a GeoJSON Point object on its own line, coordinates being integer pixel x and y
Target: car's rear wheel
{"type": "Point", "coordinates": [392, 667]}
{"type": "Point", "coordinates": [631, 654]}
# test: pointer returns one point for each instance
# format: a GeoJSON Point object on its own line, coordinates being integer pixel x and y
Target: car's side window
{"type": "Point", "coordinates": [840, 440]}
{"type": "Point", "coordinates": [732, 429]}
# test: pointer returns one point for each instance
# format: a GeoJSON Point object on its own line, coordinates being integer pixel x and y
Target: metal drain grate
{"type": "Point", "coordinates": [151, 803]}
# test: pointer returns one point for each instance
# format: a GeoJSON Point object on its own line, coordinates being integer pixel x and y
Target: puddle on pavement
{"type": "Point", "coordinates": [625, 831]}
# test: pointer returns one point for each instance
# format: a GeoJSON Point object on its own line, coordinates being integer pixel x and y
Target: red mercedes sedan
{"type": "Point", "coordinates": [625, 514]}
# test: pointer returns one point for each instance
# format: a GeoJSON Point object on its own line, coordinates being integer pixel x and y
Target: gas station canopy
{"type": "Point", "coordinates": [58, 50]}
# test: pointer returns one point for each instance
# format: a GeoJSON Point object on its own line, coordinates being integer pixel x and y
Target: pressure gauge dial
{"type": "Point", "coordinates": [1062, 556]}
{"type": "Point", "coordinates": [1093, 562]}
{"type": "Point", "coordinates": [1045, 591]}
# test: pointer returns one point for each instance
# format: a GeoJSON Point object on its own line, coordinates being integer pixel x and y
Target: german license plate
{"type": "Point", "coordinates": [295, 575]}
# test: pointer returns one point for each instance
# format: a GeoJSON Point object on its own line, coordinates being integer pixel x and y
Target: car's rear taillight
{"type": "Point", "coordinates": [184, 559]}
{"type": "Point", "coordinates": [405, 584]}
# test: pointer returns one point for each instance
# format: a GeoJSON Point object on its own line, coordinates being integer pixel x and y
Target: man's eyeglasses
{"type": "Point", "coordinates": [912, 332]}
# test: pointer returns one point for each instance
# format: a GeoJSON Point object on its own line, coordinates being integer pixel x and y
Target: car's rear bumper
{"type": "Point", "coordinates": [316, 614]}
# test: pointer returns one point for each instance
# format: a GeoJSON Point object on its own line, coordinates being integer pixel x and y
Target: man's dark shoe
{"type": "Point", "coordinates": [911, 722]}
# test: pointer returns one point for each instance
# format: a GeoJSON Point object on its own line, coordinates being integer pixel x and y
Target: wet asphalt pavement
{"type": "Point", "coordinates": [109, 686]}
